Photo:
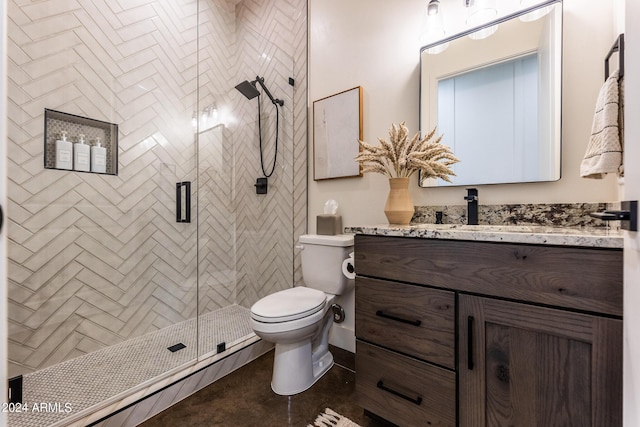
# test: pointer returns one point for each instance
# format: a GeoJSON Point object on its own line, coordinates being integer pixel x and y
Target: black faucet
{"type": "Point", "coordinates": [472, 206]}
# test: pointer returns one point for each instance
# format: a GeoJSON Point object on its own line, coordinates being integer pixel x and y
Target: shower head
{"type": "Point", "coordinates": [248, 89]}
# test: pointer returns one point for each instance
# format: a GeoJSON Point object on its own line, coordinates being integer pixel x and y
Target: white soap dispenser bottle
{"type": "Point", "coordinates": [81, 155]}
{"type": "Point", "coordinates": [64, 153]}
{"type": "Point", "coordinates": [98, 157]}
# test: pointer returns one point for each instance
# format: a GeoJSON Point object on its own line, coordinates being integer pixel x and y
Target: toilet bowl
{"type": "Point", "coordinates": [302, 349]}
{"type": "Point", "coordinates": [297, 320]}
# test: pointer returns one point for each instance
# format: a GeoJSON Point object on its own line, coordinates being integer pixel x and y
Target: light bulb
{"type": "Point", "coordinates": [482, 12]}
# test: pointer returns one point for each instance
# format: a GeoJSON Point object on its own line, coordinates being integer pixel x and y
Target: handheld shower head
{"type": "Point", "coordinates": [248, 89]}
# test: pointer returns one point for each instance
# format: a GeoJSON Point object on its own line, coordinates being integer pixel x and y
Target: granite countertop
{"type": "Point", "coordinates": [538, 235]}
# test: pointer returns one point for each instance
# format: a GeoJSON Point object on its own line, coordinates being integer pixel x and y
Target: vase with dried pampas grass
{"type": "Point", "coordinates": [401, 157]}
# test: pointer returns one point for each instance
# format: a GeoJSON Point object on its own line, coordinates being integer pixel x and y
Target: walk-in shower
{"type": "Point", "coordinates": [110, 292]}
{"type": "Point", "coordinates": [250, 91]}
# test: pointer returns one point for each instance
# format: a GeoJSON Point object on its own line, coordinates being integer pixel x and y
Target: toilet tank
{"type": "Point", "coordinates": [322, 258]}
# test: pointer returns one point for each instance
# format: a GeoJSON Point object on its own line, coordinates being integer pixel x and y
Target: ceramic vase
{"type": "Point", "coordinates": [399, 207]}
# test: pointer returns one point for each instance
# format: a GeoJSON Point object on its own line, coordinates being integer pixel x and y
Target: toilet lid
{"type": "Point", "coordinates": [290, 304]}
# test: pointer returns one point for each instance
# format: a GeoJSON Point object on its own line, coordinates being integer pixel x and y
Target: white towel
{"type": "Point", "coordinates": [604, 151]}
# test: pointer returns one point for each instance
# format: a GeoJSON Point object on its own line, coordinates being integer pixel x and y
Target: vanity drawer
{"type": "Point", "coordinates": [411, 319]}
{"type": "Point", "coordinates": [403, 390]}
{"type": "Point", "coordinates": [588, 279]}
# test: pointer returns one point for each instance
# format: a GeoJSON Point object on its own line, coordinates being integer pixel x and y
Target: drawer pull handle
{"type": "Point", "coordinates": [381, 313]}
{"type": "Point", "coordinates": [417, 400]}
{"type": "Point", "coordinates": [470, 343]}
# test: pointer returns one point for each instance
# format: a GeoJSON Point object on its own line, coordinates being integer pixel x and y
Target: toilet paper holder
{"type": "Point", "coordinates": [351, 268]}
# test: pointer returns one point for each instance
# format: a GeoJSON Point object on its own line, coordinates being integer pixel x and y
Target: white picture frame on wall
{"type": "Point", "coordinates": [337, 128]}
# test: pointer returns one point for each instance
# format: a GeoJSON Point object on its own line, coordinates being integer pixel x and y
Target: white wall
{"type": "Point", "coordinates": [632, 240]}
{"type": "Point", "coordinates": [375, 44]}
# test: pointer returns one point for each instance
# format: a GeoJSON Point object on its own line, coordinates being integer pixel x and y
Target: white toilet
{"type": "Point", "coordinates": [298, 319]}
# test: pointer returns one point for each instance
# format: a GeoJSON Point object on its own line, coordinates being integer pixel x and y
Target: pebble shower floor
{"type": "Point", "coordinates": [89, 380]}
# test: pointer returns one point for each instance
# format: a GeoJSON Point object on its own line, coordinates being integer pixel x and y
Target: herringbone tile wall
{"type": "Point", "coordinates": [274, 46]}
{"type": "Point", "coordinates": [95, 260]}
{"type": "Point", "coordinates": [265, 230]}
{"type": "Point", "coordinates": [216, 221]}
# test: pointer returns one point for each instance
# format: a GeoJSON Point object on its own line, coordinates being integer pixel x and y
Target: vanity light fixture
{"type": "Point", "coordinates": [433, 28]}
{"type": "Point", "coordinates": [433, 7]}
{"type": "Point", "coordinates": [481, 12]}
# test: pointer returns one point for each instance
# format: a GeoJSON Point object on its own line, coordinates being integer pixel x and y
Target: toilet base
{"type": "Point", "coordinates": [295, 369]}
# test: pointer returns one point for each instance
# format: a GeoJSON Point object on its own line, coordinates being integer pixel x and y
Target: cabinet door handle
{"type": "Point", "coordinates": [470, 343]}
{"type": "Point", "coordinates": [417, 400]}
{"type": "Point", "coordinates": [380, 313]}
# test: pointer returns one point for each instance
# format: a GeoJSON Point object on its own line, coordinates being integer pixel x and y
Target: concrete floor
{"type": "Point", "coordinates": [245, 398]}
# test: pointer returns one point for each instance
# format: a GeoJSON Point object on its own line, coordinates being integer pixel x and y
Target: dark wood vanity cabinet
{"type": "Point", "coordinates": [402, 327]}
{"type": "Point", "coordinates": [461, 333]}
{"type": "Point", "coordinates": [527, 366]}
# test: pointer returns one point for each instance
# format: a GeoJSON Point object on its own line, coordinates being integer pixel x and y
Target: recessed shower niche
{"type": "Point", "coordinates": [80, 144]}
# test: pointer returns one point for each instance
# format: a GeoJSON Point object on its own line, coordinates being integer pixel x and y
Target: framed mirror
{"type": "Point", "coordinates": [496, 101]}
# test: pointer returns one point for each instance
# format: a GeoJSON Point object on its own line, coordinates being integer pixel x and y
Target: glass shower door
{"type": "Point", "coordinates": [245, 240]}
{"type": "Point", "coordinates": [102, 277]}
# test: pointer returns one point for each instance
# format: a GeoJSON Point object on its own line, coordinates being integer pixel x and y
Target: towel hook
{"type": "Point", "coordinates": [618, 46]}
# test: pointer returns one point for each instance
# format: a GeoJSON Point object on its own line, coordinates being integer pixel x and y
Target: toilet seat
{"type": "Point", "coordinates": [289, 304]}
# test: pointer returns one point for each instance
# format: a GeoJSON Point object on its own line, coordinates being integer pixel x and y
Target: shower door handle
{"type": "Point", "coordinates": [186, 209]}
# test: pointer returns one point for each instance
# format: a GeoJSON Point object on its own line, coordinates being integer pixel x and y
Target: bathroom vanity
{"type": "Point", "coordinates": [489, 326]}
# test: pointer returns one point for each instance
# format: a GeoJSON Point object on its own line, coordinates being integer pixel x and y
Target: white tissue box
{"type": "Point", "coordinates": [329, 225]}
